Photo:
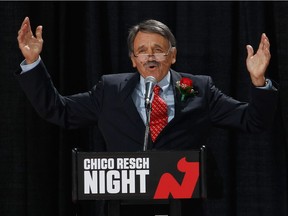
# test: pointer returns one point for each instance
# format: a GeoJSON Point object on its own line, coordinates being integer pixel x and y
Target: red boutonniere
{"type": "Point", "coordinates": [185, 87]}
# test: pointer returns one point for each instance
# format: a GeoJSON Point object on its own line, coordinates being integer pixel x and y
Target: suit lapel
{"type": "Point", "coordinates": [126, 89]}
{"type": "Point", "coordinates": [178, 104]}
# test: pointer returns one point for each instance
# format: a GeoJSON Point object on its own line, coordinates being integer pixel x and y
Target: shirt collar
{"type": "Point", "coordinates": [163, 84]}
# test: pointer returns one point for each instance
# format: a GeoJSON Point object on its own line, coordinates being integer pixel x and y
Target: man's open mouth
{"type": "Point", "coordinates": [151, 65]}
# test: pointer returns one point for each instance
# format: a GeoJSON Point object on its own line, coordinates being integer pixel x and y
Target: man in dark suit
{"type": "Point", "coordinates": [116, 104]}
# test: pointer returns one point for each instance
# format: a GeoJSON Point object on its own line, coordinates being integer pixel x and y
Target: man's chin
{"type": "Point", "coordinates": [155, 72]}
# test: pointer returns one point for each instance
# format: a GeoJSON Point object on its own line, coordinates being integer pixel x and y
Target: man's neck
{"type": "Point", "coordinates": [164, 83]}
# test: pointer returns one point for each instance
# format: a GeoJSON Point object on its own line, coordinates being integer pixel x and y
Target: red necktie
{"type": "Point", "coordinates": [158, 116]}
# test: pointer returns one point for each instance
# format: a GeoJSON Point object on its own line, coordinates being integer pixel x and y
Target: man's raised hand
{"type": "Point", "coordinates": [30, 45]}
{"type": "Point", "coordinates": [257, 63]}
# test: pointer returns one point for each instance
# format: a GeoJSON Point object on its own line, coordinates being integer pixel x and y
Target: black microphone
{"type": "Point", "coordinates": [150, 82]}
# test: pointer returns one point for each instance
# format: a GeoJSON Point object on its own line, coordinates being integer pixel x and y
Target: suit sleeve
{"type": "Point", "coordinates": [254, 116]}
{"type": "Point", "coordinates": [66, 111]}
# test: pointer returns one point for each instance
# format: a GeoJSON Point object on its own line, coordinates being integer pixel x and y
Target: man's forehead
{"type": "Point", "coordinates": [144, 39]}
{"type": "Point", "coordinates": [149, 34]}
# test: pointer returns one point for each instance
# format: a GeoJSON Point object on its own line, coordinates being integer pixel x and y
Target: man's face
{"type": "Point", "coordinates": [148, 64]}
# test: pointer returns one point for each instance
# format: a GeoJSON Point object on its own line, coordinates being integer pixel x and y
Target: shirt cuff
{"type": "Point", "coordinates": [268, 85]}
{"type": "Point", "coordinates": [26, 67]}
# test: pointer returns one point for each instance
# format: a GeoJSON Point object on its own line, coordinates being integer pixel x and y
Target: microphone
{"type": "Point", "coordinates": [150, 82]}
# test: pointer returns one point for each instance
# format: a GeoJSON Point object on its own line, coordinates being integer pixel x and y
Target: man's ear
{"type": "Point", "coordinates": [174, 54]}
{"type": "Point", "coordinates": [133, 61]}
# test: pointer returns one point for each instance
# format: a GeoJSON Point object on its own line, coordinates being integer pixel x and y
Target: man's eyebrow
{"type": "Point", "coordinates": [141, 47]}
{"type": "Point", "coordinates": [154, 46]}
{"type": "Point", "coordinates": [158, 46]}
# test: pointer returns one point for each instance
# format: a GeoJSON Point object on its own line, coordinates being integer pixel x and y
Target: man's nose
{"type": "Point", "coordinates": [151, 56]}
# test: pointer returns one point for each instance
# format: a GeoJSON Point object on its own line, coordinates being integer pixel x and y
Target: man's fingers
{"type": "Point", "coordinates": [20, 37]}
{"type": "Point", "coordinates": [250, 51]}
{"type": "Point", "coordinates": [27, 22]}
{"type": "Point", "coordinates": [39, 32]}
{"type": "Point", "coordinates": [22, 29]}
{"type": "Point", "coordinates": [264, 42]}
{"type": "Point", "coordinates": [264, 37]}
{"type": "Point", "coordinates": [24, 22]}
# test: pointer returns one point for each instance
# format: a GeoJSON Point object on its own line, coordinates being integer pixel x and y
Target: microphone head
{"type": "Point", "coordinates": [150, 82]}
{"type": "Point", "coordinates": [150, 79]}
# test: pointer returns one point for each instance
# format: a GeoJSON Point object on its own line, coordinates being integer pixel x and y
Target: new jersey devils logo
{"type": "Point", "coordinates": [169, 185]}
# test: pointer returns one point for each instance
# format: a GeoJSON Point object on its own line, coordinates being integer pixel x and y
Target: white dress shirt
{"type": "Point", "coordinates": [166, 94]}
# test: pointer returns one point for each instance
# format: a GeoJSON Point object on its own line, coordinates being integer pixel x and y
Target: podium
{"type": "Point", "coordinates": [148, 177]}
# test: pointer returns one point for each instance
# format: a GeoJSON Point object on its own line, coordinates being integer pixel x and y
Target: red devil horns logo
{"type": "Point", "coordinates": [169, 185]}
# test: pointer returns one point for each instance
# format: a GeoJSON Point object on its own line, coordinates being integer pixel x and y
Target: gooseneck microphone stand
{"type": "Point", "coordinates": [150, 82]}
{"type": "Point", "coordinates": [147, 129]}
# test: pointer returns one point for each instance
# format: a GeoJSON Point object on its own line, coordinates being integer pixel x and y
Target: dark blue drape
{"type": "Point", "coordinates": [83, 40]}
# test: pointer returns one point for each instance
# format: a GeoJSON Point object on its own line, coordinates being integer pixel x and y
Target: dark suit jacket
{"type": "Point", "coordinates": [110, 106]}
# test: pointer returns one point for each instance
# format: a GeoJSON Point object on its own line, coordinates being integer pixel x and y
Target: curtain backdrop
{"type": "Point", "coordinates": [84, 40]}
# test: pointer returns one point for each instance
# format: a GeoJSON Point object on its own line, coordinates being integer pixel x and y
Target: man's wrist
{"type": "Point", "coordinates": [26, 67]}
{"type": "Point", "coordinates": [259, 82]}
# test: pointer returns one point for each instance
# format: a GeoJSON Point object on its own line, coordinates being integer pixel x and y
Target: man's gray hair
{"type": "Point", "coordinates": [150, 26]}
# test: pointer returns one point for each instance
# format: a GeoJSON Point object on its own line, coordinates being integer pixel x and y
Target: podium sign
{"type": "Point", "coordinates": [149, 175]}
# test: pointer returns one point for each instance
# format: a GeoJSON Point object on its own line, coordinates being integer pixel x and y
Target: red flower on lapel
{"type": "Point", "coordinates": [185, 87]}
